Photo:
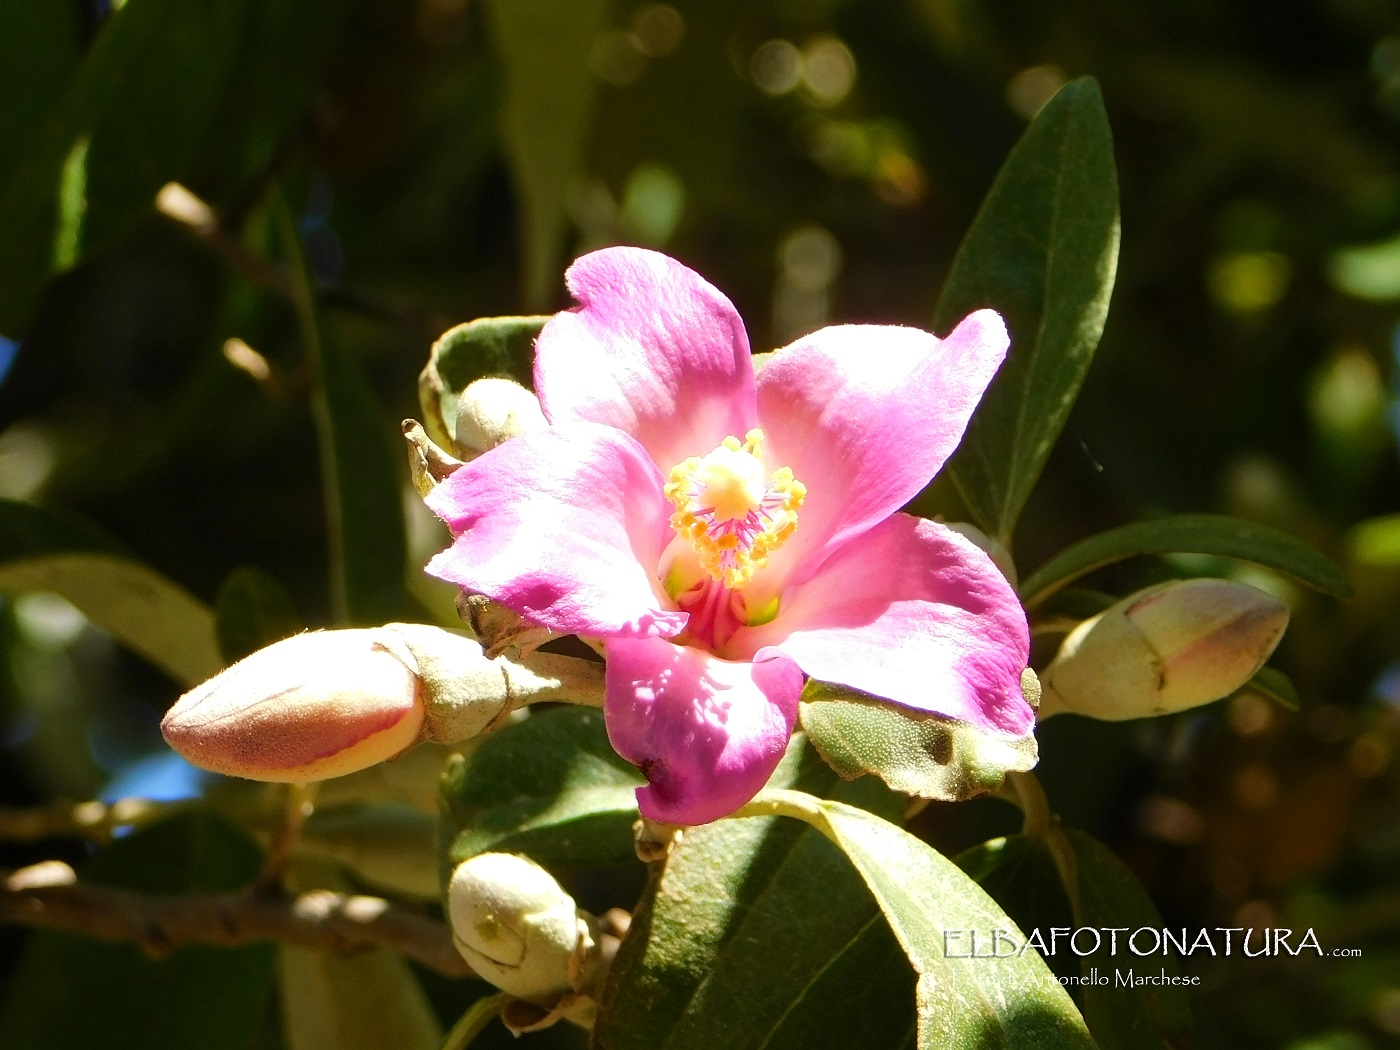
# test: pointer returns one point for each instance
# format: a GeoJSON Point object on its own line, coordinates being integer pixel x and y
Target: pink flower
{"type": "Point", "coordinates": [727, 535]}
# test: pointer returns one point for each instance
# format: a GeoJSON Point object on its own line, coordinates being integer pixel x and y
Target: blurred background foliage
{"type": "Point", "coordinates": [817, 160]}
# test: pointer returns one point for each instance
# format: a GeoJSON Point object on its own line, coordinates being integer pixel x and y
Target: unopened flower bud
{"type": "Point", "coordinates": [327, 703]}
{"type": "Point", "coordinates": [519, 930]}
{"type": "Point", "coordinates": [493, 410]}
{"type": "Point", "coordinates": [1164, 649]}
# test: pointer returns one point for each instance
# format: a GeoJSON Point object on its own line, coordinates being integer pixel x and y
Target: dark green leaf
{"type": "Point", "coordinates": [359, 465]}
{"type": "Point", "coordinates": [1021, 877]}
{"type": "Point", "coordinates": [550, 786]}
{"type": "Point", "coordinates": [1277, 686]}
{"type": "Point", "coordinates": [1189, 534]}
{"type": "Point", "coordinates": [911, 751]}
{"type": "Point", "coordinates": [253, 609]}
{"type": "Point", "coordinates": [962, 1001]}
{"type": "Point", "coordinates": [757, 933]}
{"type": "Point", "coordinates": [550, 94]}
{"type": "Point", "coordinates": [70, 993]}
{"type": "Point", "coordinates": [38, 57]}
{"type": "Point", "coordinates": [1021, 874]}
{"type": "Point", "coordinates": [1134, 1017]}
{"type": "Point", "coordinates": [466, 353]}
{"type": "Point", "coordinates": [129, 122]}
{"type": "Point", "coordinates": [1042, 252]}
{"type": "Point", "coordinates": [44, 550]}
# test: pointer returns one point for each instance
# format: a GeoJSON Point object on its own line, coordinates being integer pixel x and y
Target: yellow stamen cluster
{"type": "Point", "coordinates": [731, 517]}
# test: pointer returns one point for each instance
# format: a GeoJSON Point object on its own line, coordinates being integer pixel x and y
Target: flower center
{"type": "Point", "coordinates": [731, 516]}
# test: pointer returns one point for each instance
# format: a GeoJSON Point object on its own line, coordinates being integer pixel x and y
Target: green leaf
{"type": "Point", "coordinates": [757, 933]}
{"type": "Point", "coordinates": [369, 1000]}
{"type": "Point", "coordinates": [466, 353]}
{"type": "Point", "coordinates": [550, 95]}
{"type": "Point", "coordinates": [1277, 686]}
{"type": "Point", "coordinates": [70, 993]}
{"type": "Point", "coordinates": [38, 57]}
{"type": "Point", "coordinates": [550, 786]}
{"type": "Point", "coordinates": [359, 465]}
{"type": "Point", "coordinates": [45, 550]}
{"type": "Point", "coordinates": [1023, 877]}
{"type": "Point", "coordinates": [1042, 252]}
{"type": "Point", "coordinates": [129, 121]}
{"type": "Point", "coordinates": [1190, 534]}
{"type": "Point", "coordinates": [962, 1001]}
{"type": "Point", "coordinates": [911, 751]}
{"type": "Point", "coordinates": [253, 609]}
{"type": "Point", "coordinates": [1107, 894]}
{"type": "Point", "coordinates": [389, 845]}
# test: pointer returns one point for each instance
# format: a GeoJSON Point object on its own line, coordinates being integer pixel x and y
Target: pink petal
{"type": "Point", "coordinates": [566, 527]}
{"type": "Point", "coordinates": [707, 732]}
{"type": "Point", "coordinates": [653, 349]}
{"type": "Point", "coordinates": [915, 613]}
{"type": "Point", "coordinates": [865, 415]}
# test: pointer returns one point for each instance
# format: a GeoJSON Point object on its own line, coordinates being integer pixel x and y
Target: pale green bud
{"type": "Point", "coordinates": [1167, 648]}
{"type": "Point", "coordinates": [493, 410]}
{"type": "Point", "coordinates": [519, 930]}
{"type": "Point", "coordinates": [327, 703]}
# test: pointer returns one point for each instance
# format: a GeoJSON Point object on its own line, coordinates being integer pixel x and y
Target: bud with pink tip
{"type": "Point", "coordinates": [328, 703]}
{"type": "Point", "coordinates": [1164, 649]}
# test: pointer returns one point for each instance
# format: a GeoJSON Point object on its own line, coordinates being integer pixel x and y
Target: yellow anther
{"type": "Point", "coordinates": [731, 517]}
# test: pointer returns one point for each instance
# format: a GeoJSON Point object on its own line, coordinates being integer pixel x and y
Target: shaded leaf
{"type": "Point", "coordinates": [70, 993]}
{"type": "Point", "coordinates": [911, 751]}
{"type": "Point", "coordinates": [1189, 534]}
{"type": "Point", "coordinates": [550, 94]}
{"type": "Point", "coordinates": [1137, 1017]}
{"type": "Point", "coordinates": [466, 353]}
{"type": "Point", "coordinates": [38, 58]}
{"type": "Point", "coordinates": [757, 933]}
{"type": "Point", "coordinates": [1042, 252]}
{"type": "Point", "coordinates": [1023, 877]}
{"type": "Point", "coordinates": [369, 1000]}
{"type": "Point", "coordinates": [359, 465]}
{"type": "Point", "coordinates": [1277, 686]}
{"type": "Point", "coordinates": [389, 845]}
{"type": "Point", "coordinates": [253, 609]}
{"type": "Point", "coordinates": [962, 1001]}
{"type": "Point", "coordinates": [550, 786]}
{"type": "Point", "coordinates": [130, 121]}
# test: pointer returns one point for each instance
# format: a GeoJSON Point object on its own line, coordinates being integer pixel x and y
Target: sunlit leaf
{"type": "Point", "coordinates": [369, 1000]}
{"type": "Point", "coordinates": [757, 933]}
{"type": "Point", "coordinates": [963, 1001]}
{"type": "Point", "coordinates": [1191, 534]}
{"type": "Point", "coordinates": [43, 550]}
{"type": "Point", "coordinates": [70, 993]}
{"type": "Point", "coordinates": [912, 751]}
{"type": "Point", "coordinates": [550, 786]}
{"type": "Point", "coordinates": [1042, 252]}
{"type": "Point", "coordinates": [550, 93]}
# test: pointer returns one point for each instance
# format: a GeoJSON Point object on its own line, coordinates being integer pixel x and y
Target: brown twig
{"type": "Point", "coordinates": [44, 896]}
{"type": "Point", "coordinates": [95, 821]}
